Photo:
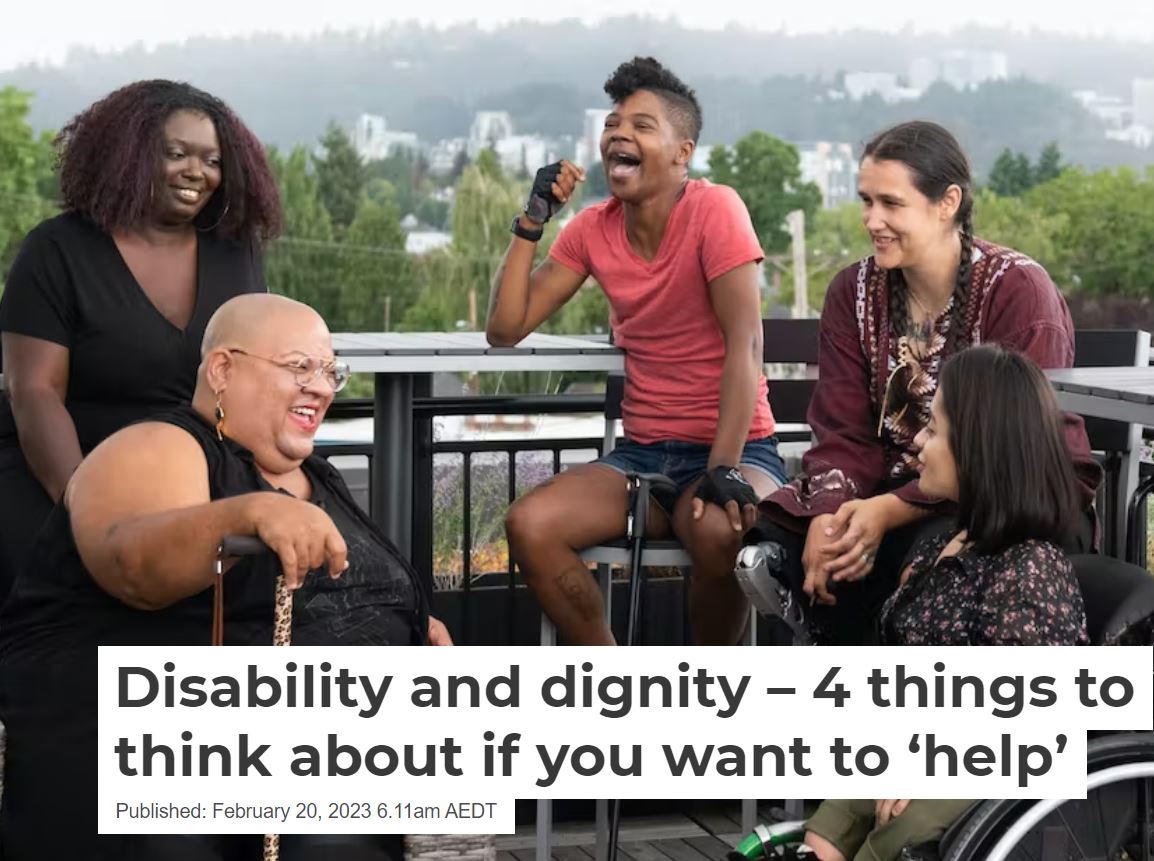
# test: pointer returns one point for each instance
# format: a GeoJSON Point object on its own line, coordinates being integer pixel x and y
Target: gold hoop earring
{"type": "Point", "coordinates": [219, 413]}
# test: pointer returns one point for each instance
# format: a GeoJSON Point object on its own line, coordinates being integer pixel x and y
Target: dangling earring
{"type": "Point", "coordinates": [219, 413]}
{"type": "Point", "coordinates": [218, 221]}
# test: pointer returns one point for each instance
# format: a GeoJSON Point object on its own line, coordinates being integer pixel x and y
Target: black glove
{"type": "Point", "coordinates": [723, 484]}
{"type": "Point", "coordinates": [542, 205]}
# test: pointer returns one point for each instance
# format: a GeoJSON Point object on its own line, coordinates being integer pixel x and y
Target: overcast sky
{"type": "Point", "coordinates": [35, 30]}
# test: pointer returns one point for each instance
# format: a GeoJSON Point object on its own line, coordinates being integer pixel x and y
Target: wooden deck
{"type": "Point", "coordinates": [704, 834]}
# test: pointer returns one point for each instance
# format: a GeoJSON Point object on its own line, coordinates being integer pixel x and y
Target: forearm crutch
{"type": "Point", "coordinates": [641, 487]}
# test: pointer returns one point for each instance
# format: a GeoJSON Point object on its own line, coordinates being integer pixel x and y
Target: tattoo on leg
{"type": "Point", "coordinates": [574, 583]}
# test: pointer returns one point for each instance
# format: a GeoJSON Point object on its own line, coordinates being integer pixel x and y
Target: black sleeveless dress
{"type": "Point", "coordinates": [57, 615]}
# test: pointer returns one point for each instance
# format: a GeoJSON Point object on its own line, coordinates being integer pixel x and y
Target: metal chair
{"type": "Point", "coordinates": [1120, 442]}
{"type": "Point", "coordinates": [785, 342]}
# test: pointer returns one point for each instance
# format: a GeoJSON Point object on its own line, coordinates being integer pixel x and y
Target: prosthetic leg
{"type": "Point", "coordinates": [757, 565]}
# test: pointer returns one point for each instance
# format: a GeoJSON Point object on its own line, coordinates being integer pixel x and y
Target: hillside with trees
{"type": "Point", "coordinates": [431, 81]}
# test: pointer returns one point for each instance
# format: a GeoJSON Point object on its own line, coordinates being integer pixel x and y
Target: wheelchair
{"type": "Point", "coordinates": [1115, 822]}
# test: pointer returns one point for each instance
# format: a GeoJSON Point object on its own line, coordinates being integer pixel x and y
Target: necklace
{"type": "Point", "coordinates": [930, 315]}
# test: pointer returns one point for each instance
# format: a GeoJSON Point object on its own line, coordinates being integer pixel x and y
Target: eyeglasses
{"type": "Point", "coordinates": [306, 369]}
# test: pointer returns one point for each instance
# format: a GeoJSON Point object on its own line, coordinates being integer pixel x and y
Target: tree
{"type": "Point", "coordinates": [484, 203]}
{"type": "Point", "coordinates": [375, 274]}
{"type": "Point", "coordinates": [305, 216]}
{"type": "Point", "coordinates": [596, 185]}
{"type": "Point", "coordinates": [1018, 224]}
{"type": "Point", "coordinates": [460, 162]}
{"type": "Point", "coordinates": [407, 173]}
{"type": "Point", "coordinates": [433, 212]}
{"type": "Point", "coordinates": [835, 238]}
{"type": "Point", "coordinates": [1049, 164]}
{"type": "Point", "coordinates": [489, 164]}
{"type": "Point", "coordinates": [766, 172]}
{"type": "Point", "coordinates": [1105, 239]}
{"type": "Point", "coordinates": [1011, 174]}
{"type": "Point", "coordinates": [25, 174]}
{"type": "Point", "coordinates": [340, 176]}
{"type": "Point", "coordinates": [301, 263]}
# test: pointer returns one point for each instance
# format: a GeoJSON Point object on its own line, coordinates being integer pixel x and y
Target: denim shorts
{"type": "Point", "coordinates": [685, 462]}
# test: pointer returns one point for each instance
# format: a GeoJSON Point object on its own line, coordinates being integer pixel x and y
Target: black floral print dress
{"type": "Point", "coordinates": [1025, 596]}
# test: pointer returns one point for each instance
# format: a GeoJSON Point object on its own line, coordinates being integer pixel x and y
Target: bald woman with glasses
{"type": "Point", "coordinates": [127, 558]}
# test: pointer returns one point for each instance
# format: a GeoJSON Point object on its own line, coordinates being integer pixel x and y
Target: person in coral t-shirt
{"type": "Point", "coordinates": [677, 259]}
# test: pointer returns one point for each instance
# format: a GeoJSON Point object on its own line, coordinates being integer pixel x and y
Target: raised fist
{"type": "Point", "coordinates": [552, 188]}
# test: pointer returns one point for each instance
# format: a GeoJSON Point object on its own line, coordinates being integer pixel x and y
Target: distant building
{"type": "Point", "coordinates": [423, 241]}
{"type": "Point", "coordinates": [1137, 135]}
{"type": "Point", "coordinates": [443, 155]}
{"type": "Point", "coordinates": [967, 70]}
{"type": "Point", "coordinates": [488, 128]}
{"type": "Point", "coordinates": [589, 146]}
{"type": "Point", "coordinates": [924, 72]}
{"type": "Point", "coordinates": [1114, 112]}
{"type": "Point", "coordinates": [524, 153]}
{"type": "Point", "coordinates": [831, 166]}
{"type": "Point", "coordinates": [961, 69]}
{"type": "Point", "coordinates": [859, 85]}
{"type": "Point", "coordinates": [1143, 96]}
{"type": "Point", "coordinates": [373, 141]}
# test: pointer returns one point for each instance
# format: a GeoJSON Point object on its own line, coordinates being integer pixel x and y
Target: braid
{"type": "Point", "coordinates": [958, 315]}
{"type": "Point", "coordinates": [899, 310]}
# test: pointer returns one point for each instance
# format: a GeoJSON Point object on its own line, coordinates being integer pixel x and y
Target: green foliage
{"type": "Point", "coordinates": [1049, 164]}
{"type": "Point", "coordinates": [596, 185]}
{"type": "Point", "coordinates": [26, 177]}
{"type": "Point", "coordinates": [407, 174]}
{"type": "Point", "coordinates": [1013, 222]}
{"type": "Point", "coordinates": [433, 212]}
{"type": "Point", "coordinates": [1106, 239]}
{"type": "Point", "coordinates": [489, 164]}
{"type": "Point", "coordinates": [305, 215]}
{"type": "Point", "coordinates": [460, 162]}
{"type": "Point", "coordinates": [375, 275]}
{"type": "Point", "coordinates": [1091, 231]}
{"type": "Point", "coordinates": [340, 176]}
{"type": "Point", "coordinates": [835, 238]}
{"type": "Point", "coordinates": [766, 172]}
{"type": "Point", "coordinates": [1013, 175]}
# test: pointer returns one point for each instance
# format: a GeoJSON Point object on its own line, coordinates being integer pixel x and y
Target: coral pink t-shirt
{"type": "Point", "coordinates": [660, 309]}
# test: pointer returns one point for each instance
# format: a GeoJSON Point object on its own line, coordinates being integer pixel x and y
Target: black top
{"type": "Point", "coordinates": [374, 603]}
{"type": "Point", "coordinates": [56, 608]}
{"type": "Point", "coordinates": [70, 285]}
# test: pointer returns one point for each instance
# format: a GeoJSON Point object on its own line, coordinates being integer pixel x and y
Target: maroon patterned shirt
{"type": "Point", "coordinates": [1025, 596]}
{"type": "Point", "coordinates": [1013, 302]}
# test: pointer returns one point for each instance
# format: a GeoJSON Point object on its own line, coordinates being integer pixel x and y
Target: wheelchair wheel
{"type": "Point", "coordinates": [1115, 822]}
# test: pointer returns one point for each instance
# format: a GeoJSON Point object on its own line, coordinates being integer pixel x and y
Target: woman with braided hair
{"type": "Point", "coordinates": [930, 289]}
{"type": "Point", "coordinates": [167, 200]}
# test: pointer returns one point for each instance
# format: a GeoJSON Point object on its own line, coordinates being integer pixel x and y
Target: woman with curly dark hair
{"type": "Point", "coordinates": [167, 200]}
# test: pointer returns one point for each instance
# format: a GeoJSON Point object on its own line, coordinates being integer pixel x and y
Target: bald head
{"type": "Point", "coordinates": [257, 321]}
